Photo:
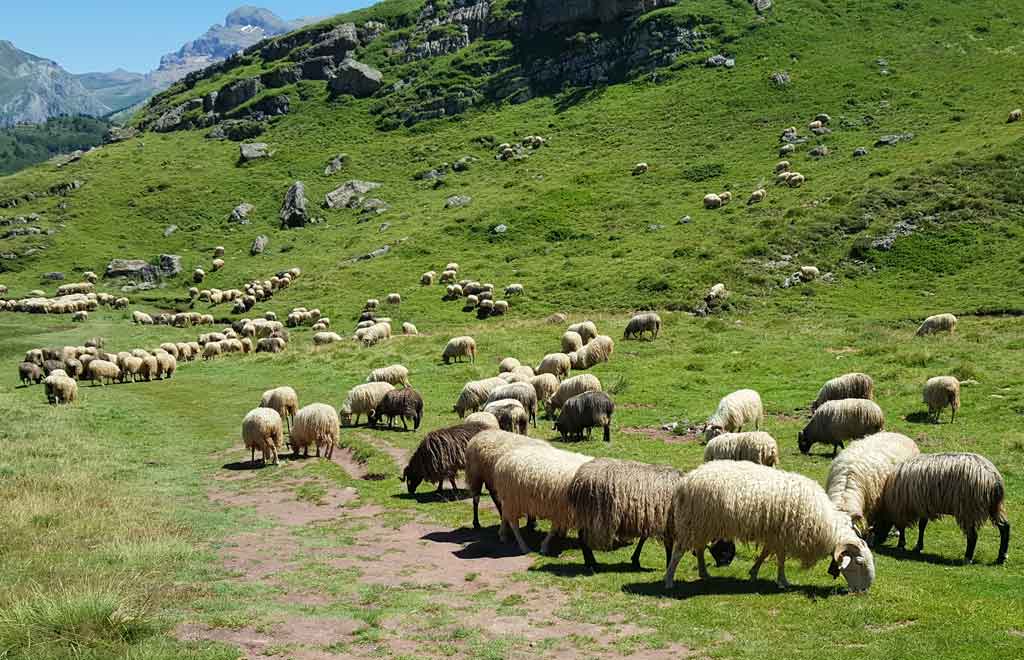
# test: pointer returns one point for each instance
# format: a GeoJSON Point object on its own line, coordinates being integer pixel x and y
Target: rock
{"type": "Point", "coordinates": [893, 140]}
{"type": "Point", "coordinates": [685, 220]}
{"type": "Point", "coordinates": [318, 68]}
{"type": "Point", "coordinates": [271, 106]}
{"type": "Point", "coordinates": [383, 228]}
{"type": "Point", "coordinates": [761, 6]}
{"type": "Point", "coordinates": [259, 244]}
{"type": "Point", "coordinates": [544, 15]}
{"type": "Point", "coordinates": [172, 120]}
{"type": "Point", "coordinates": [457, 201]}
{"type": "Point", "coordinates": [355, 78]}
{"type": "Point", "coordinates": [54, 276]}
{"type": "Point", "coordinates": [338, 42]}
{"type": "Point", "coordinates": [293, 209]}
{"type": "Point", "coordinates": [860, 152]}
{"type": "Point", "coordinates": [780, 78]}
{"type": "Point", "coordinates": [500, 229]}
{"type": "Point", "coordinates": [336, 164]}
{"type": "Point", "coordinates": [210, 102]}
{"type": "Point", "coordinates": [463, 164]}
{"type": "Point", "coordinates": [716, 61]}
{"type": "Point", "coordinates": [169, 265]}
{"type": "Point", "coordinates": [819, 151]}
{"type": "Point", "coordinates": [119, 134]}
{"type": "Point", "coordinates": [822, 130]}
{"type": "Point", "coordinates": [432, 174]}
{"type": "Point", "coordinates": [373, 206]}
{"type": "Point", "coordinates": [250, 151]}
{"type": "Point", "coordinates": [349, 194]}
{"type": "Point", "coordinates": [240, 214]}
{"type": "Point", "coordinates": [170, 229]}
{"type": "Point", "coordinates": [281, 77]}
{"type": "Point", "coordinates": [236, 93]}
{"type": "Point", "coordinates": [134, 269]}
{"type": "Point", "coordinates": [375, 254]}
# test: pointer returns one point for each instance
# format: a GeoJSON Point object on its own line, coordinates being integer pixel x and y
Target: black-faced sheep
{"type": "Point", "coordinates": [841, 420]}
{"type": "Point", "coordinates": [583, 412]}
{"type": "Point", "coordinates": [405, 403]}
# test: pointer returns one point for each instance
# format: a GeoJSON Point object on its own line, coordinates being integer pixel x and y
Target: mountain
{"type": "Point", "coordinates": [120, 89]}
{"type": "Point", "coordinates": [33, 89]}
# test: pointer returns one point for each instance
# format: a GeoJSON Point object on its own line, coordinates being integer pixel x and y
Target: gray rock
{"type": "Point", "coordinates": [893, 140]}
{"type": "Point", "coordinates": [133, 269]}
{"type": "Point", "coordinates": [288, 75]}
{"type": "Point", "coordinates": [210, 102]}
{"type": "Point", "coordinates": [338, 42]}
{"type": "Point", "coordinates": [500, 229]}
{"type": "Point", "coordinates": [383, 228]}
{"type": "Point", "coordinates": [685, 220]}
{"type": "Point", "coordinates": [55, 276]}
{"type": "Point", "coordinates": [349, 194]}
{"type": "Point", "coordinates": [717, 61]}
{"type": "Point", "coordinates": [375, 254]}
{"type": "Point", "coordinates": [240, 214]}
{"type": "Point", "coordinates": [355, 78]}
{"type": "Point", "coordinates": [170, 230]}
{"type": "Point", "coordinates": [169, 265]}
{"type": "Point", "coordinates": [780, 78]}
{"type": "Point", "coordinates": [318, 68]}
{"type": "Point", "coordinates": [119, 134]}
{"type": "Point", "coordinates": [271, 106]}
{"type": "Point", "coordinates": [819, 151]}
{"type": "Point", "coordinates": [463, 164]}
{"type": "Point", "coordinates": [761, 6]}
{"type": "Point", "coordinates": [372, 207]}
{"type": "Point", "coordinates": [236, 93]}
{"type": "Point", "coordinates": [432, 174]}
{"type": "Point", "coordinates": [336, 164]}
{"type": "Point", "coordinates": [293, 210]}
{"type": "Point", "coordinates": [248, 152]}
{"type": "Point", "coordinates": [172, 120]}
{"type": "Point", "coordinates": [860, 152]}
{"type": "Point", "coordinates": [259, 244]}
{"type": "Point", "coordinates": [457, 201]}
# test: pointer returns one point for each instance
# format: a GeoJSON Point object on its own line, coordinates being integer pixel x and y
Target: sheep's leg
{"type": "Point", "coordinates": [756, 568]}
{"type": "Point", "coordinates": [702, 568]}
{"type": "Point", "coordinates": [673, 564]}
{"type": "Point", "coordinates": [253, 459]}
{"type": "Point", "coordinates": [902, 544]}
{"type": "Point", "coordinates": [953, 416]}
{"type": "Point", "coordinates": [440, 485]}
{"type": "Point", "coordinates": [1004, 540]}
{"type": "Point", "coordinates": [588, 554]}
{"type": "Point", "coordinates": [476, 510]}
{"type": "Point", "coordinates": [972, 541]}
{"type": "Point", "coordinates": [330, 451]}
{"type": "Point", "coordinates": [545, 545]}
{"type": "Point", "coordinates": [781, 579]}
{"type": "Point", "coordinates": [519, 538]}
{"type": "Point", "coordinates": [636, 553]}
{"type": "Point", "coordinates": [504, 529]}
{"type": "Point", "coordinates": [920, 535]}
{"type": "Point", "coordinates": [531, 523]}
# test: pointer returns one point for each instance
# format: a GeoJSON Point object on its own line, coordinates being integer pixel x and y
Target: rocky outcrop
{"type": "Point", "coordinates": [259, 244]}
{"type": "Point", "coordinates": [282, 76]}
{"type": "Point", "coordinates": [349, 194]}
{"type": "Point", "coordinates": [337, 43]}
{"type": "Point", "coordinates": [169, 265]}
{"type": "Point", "coordinates": [293, 210]}
{"type": "Point", "coordinates": [240, 213]}
{"type": "Point", "coordinates": [236, 93]}
{"type": "Point", "coordinates": [544, 15]}
{"type": "Point", "coordinates": [133, 269]}
{"type": "Point", "coordinates": [248, 152]}
{"type": "Point", "coordinates": [355, 78]}
{"type": "Point", "coordinates": [119, 134]}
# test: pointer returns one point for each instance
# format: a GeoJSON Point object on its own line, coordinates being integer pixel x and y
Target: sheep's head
{"type": "Point", "coordinates": [371, 418]}
{"type": "Point", "coordinates": [712, 431]}
{"type": "Point", "coordinates": [855, 561]}
{"type": "Point", "coordinates": [723, 551]}
{"type": "Point", "coordinates": [346, 415]}
{"type": "Point", "coordinates": [412, 481]}
{"type": "Point", "coordinates": [879, 532]}
{"type": "Point", "coordinates": [803, 442]}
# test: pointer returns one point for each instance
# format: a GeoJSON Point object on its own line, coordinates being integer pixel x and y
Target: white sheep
{"type": "Point", "coordinates": [545, 385]}
{"type": "Point", "coordinates": [396, 374]}
{"type": "Point", "coordinates": [568, 389]}
{"type": "Point", "coordinates": [316, 424]}
{"type": "Point", "coordinates": [640, 168]}
{"type": "Point", "coordinates": [641, 323]}
{"type": "Point", "coordinates": [735, 411]}
{"type": "Point", "coordinates": [515, 289]}
{"type": "Point", "coordinates": [848, 386]}
{"type": "Point", "coordinates": [597, 351]}
{"type": "Point", "coordinates": [409, 329]}
{"type": "Point", "coordinates": [937, 323]}
{"type": "Point", "coordinates": [394, 299]}
{"type": "Point", "coordinates": [809, 273]}
{"type": "Point", "coordinates": [362, 400]}
{"type": "Point", "coordinates": [325, 338]}
{"type": "Point", "coordinates": [571, 342]}
{"type": "Point", "coordinates": [782, 166]}
{"type": "Point", "coordinates": [757, 196]}
{"type": "Point", "coordinates": [459, 347]}
{"type": "Point", "coordinates": [482, 453]}
{"type": "Point", "coordinates": [840, 420]}
{"type": "Point", "coordinates": [474, 394]}
{"type": "Point", "coordinates": [754, 446]}
{"type": "Point", "coordinates": [857, 475]}
{"type": "Point", "coordinates": [512, 416]}
{"type": "Point", "coordinates": [1014, 116]}
{"type": "Point", "coordinates": [500, 308]}
{"type": "Point", "coordinates": [712, 201]}
{"type": "Point", "coordinates": [508, 364]}
{"type": "Point", "coordinates": [427, 278]}
{"type": "Point", "coordinates": [262, 429]}
{"type": "Point", "coordinates": [587, 330]}
{"type": "Point", "coordinates": [940, 392]}
{"type": "Point", "coordinates": [283, 400]}
{"type": "Point", "coordinates": [557, 364]}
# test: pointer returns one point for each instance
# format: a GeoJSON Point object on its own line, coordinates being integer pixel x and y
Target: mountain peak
{"type": "Point", "coordinates": [258, 17]}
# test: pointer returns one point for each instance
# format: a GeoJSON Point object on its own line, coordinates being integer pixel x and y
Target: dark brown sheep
{"type": "Point", "coordinates": [404, 403]}
{"type": "Point", "coordinates": [29, 373]}
{"type": "Point", "coordinates": [583, 412]}
{"type": "Point", "coordinates": [440, 456]}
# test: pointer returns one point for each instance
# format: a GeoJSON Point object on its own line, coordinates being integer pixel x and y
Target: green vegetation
{"type": "Point", "coordinates": [26, 145]}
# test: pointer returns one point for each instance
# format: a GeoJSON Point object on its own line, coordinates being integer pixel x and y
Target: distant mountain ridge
{"type": "Point", "coordinates": [33, 89]}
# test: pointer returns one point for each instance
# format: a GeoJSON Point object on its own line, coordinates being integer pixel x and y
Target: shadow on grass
{"type": "Point", "coordinates": [919, 417]}
{"type": "Point", "coordinates": [924, 557]}
{"type": "Point", "coordinates": [427, 497]}
{"type": "Point", "coordinates": [572, 570]}
{"type": "Point", "coordinates": [723, 586]}
{"type": "Point", "coordinates": [483, 543]}
{"type": "Point", "coordinates": [239, 466]}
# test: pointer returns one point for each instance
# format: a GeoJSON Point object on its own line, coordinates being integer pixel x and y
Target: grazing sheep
{"type": "Point", "coordinates": [514, 290]}
{"type": "Point", "coordinates": [409, 329]}
{"type": "Point", "coordinates": [557, 364]}
{"type": "Point", "coordinates": [261, 429]}
{"type": "Point", "coordinates": [785, 513]}
{"type": "Point", "coordinates": [940, 392]}
{"type": "Point", "coordinates": [508, 364]}
{"type": "Point", "coordinates": [615, 500]}
{"type": "Point", "coordinates": [640, 168]}
{"type": "Point", "coordinates": [571, 342]}
{"type": "Point", "coordinates": [782, 166]}
{"type": "Point", "coordinates": [374, 334]}
{"type": "Point", "coordinates": [371, 305]}
{"type": "Point", "coordinates": [735, 411]}
{"type": "Point", "coordinates": [35, 356]}
{"type": "Point", "coordinates": [726, 197]}
{"type": "Point", "coordinates": [362, 400]}
{"type": "Point", "coordinates": [641, 323]}
{"type": "Point", "coordinates": [198, 275]}
{"type": "Point", "coordinates": [168, 347]}
{"type": "Point", "coordinates": [448, 276]}
{"type": "Point", "coordinates": [394, 299]}
{"type": "Point", "coordinates": [857, 475]}
{"type": "Point", "coordinates": [712, 201]}
{"type": "Point", "coordinates": [80, 317]}
{"type": "Point", "coordinates": [396, 374]}
{"type": "Point", "coordinates": [754, 446]}
{"type": "Point", "coordinates": [847, 386]}
{"type": "Point", "coordinates": [284, 400]}
{"type": "Point", "coordinates": [324, 338]}
{"type": "Point", "coordinates": [533, 480]}
{"type": "Point", "coordinates": [582, 413]}
{"type": "Point", "coordinates": [809, 273]}
{"type": "Point", "coordinates": [556, 319]}
{"type": "Point", "coordinates": [427, 278]}
{"type": "Point", "coordinates": [131, 369]}
{"type": "Point", "coordinates": [440, 456]}
{"type": "Point", "coordinates": [1014, 116]}
{"type": "Point", "coordinates": [484, 419]}
{"type": "Point", "coordinates": [149, 368]}
{"type": "Point", "coordinates": [104, 372]}
{"type": "Point", "coordinates": [218, 264]}
{"type": "Point", "coordinates": [60, 389]}
{"type": "Point", "coordinates": [937, 323]}
{"type": "Point", "coordinates": [839, 420]}
{"type": "Point", "coordinates": [315, 424]}
{"type": "Point", "coordinates": [50, 366]}
{"type": "Point", "coordinates": [927, 487]}
{"type": "Point", "coordinates": [454, 267]}
{"type": "Point", "coordinates": [568, 389]}
{"type": "Point", "coordinates": [212, 350]}
{"type": "Point", "coordinates": [545, 385]}
{"type": "Point", "coordinates": [30, 373]}
{"type": "Point", "coordinates": [523, 392]}
{"type": "Point", "coordinates": [587, 330]}
{"type": "Point", "coordinates": [795, 180]}
{"type": "Point", "coordinates": [482, 453]}
{"type": "Point", "coordinates": [597, 351]}
{"type": "Point", "coordinates": [459, 347]}
{"type": "Point", "coordinates": [166, 365]}
{"type": "Point", "coordinates": [511, 414]}
{"type": "Point", "coordinates": [142, 318]}
{"type": "Point", "coordinates": [405, 403]}
{"type": "Point", "coordinates": [474, 394]}
{"type": "Point", "coordinates": [218, 251]}
{"type": "Point", "coordinates": [757, 196]}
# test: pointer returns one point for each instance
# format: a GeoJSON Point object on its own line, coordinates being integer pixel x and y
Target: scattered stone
{"type": "Point", "coordinates": [355, 78]}
{"type": "Point", "coordinates": [457, 201]}
{"type": "Point", "coordinates": [259, 244]}
{"type": "Point", "coordinates": [372, 207]}
{"type": "Point", "coordinates": [374, 254]}
{"type": "Point", "coordinates": [248, 152]}
{"type": "Point", "coordinates": [654, 228]}
{"type": "Point", "coordinates": [720, 60]}
{"type": "Point", "coordinates": [463, 164]}
{"type": "Point", "coordinates": [349, 194]}
{"type": "Point", "coordinates": [685, 220]}
{"type": "Point", "coordinates": [72, 157]}
{"type": "Point", "coordinates": [761, 6]}
{"type": "Point", "coordinates": [432, 174]}
{"type": "Point", "coordinates": [859, 152]}
{"type": "Point", "coordinates": [900, 229]}
{"type": "Point", "coordinates": [500, 229]}
{"type": "Point", "coordinates": [170, 230]}
{"type": "Point", "coordinates": [240, 214]}
{"type": "Point", "coordinates": [293, 209]}
{"type": "Point", "coordinates": [119, 134]}
{"type": "Point", "coordinates": [780, 78]}
{"type": "Point", "coordinates": [169, 265]}
{"type": "Point", "coordinates": [893, 140]}
{"type": "Point", "coordinates": [819, 151]}
{"type": "Point", "coordinates": [336, 164]}
{"type": "Point", "coordinates": [54, 276]}
{"type": "Point", "coordinates": [383, 228]}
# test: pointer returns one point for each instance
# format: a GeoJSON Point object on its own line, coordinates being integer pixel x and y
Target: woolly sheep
{"type": "Point", "coordinates": [787, 514]}
{"type": "Point", "coordinates": [474, 394]}
{"type": "Point", "coordinates": [198, 275]}
{"type": "Point", "coordinates": [30, 374]}
{"type": "Point", "coordinates": [142, 318]}
{"type": "Point", "coordinates": [261, 429]}
{"type": "Point", "coordinates": [597, 351]}
{"type": "Point", "coordinates": [569, 388]}
{"type": "Point", "coordinates": [782, 166]}
{"type": "Point", "coordinates": [1014, 116]}
{"type": "Point", "coordinates": [362, 400]}
{"type": "Point", "coordinates": [482, 453]}
{"type": "Point", "coordinates": [557, 364]}
{"type": "Point", "coordinates": [409, 329]}
{"type": "Point", "coordinates": [514, 290]}
{"type": "Point", "coordinates": [735, 411]}
{"type": "Point", "coordinates": [374, 334]}
{"type": "Point", "coordinates": [571, 341]}
{"type": "Point", "coordinates": [80, 317]}
{"type": "Point", "coordinates": [427, 278]}
{"type": "Point", "coordinates": [533, 480]}
{"type": "Point", "coordinates": [60, 389]}
{"type": "Point", "coordinates": [218, 264]}
{"type": "Point", "coordinates": [508, 364]}
{"type": "Point", "coordinates": [439, 457]}
{"type": "Point", "coordinates": [937, 323]}
{"type": "Point", "coordinates": [405, 403]}
{"type": "Point", "coordinates": [371, 305]}
{"type": "Point", "coordinates": [394, 299]}
{"type": "Point", "coordinates": [102, 371]}
{"type": "Point", "coordinates": [131, 368]}
{"type": "Point", "coordinates": [857, 475]}
{"type": "Point", "coordinates": [757, 196]}
{"type": "Point", "coordinates": [717, 292]}
{"type": "Point", "coordinates": [587, 330]}
{"type": "Point", "coordinates": [484, 419]}
{"type": "Point", "coordinates": [641, 323]}
{"type": "Point", "coordinates": [940, 392]}
{"type": "Point", "coordinates": [795, 180]}
{"type": "Point", "coordinates": [640, 168]}
{"type": "Point", "coordinates": [847, 386]}
{"type": "Point", "coordinates": [283, 400]}
{"type": "Point", "coordinates": [166, 365]}
{"type": "Point", "coordinates": [927, 487]}
{"type": "Point", "coordinates": [522, 392]}
{"type": "Point", "coordinates": [500, 308]}
{"type": "Point", "coordinates": [212, 350]}
{"type": "Point", "coordinates": [472, 302]}
{"type": "Point", "coordinates": [324, 338]}
{"type": "Point", "coordinates": [316, 424]}
{"type": "Point", "coordinates": [452, 267]}
{"type": "Point", "coordinates": [459, 347]}
{"type": "Point", "coordinates": [448, 276]}
{"type": "Point", "coordinates": [511, 414]}
{"type": "Point", "coordinates": [809, 273]}
{"type": "Point", "coordinates": [726, 197]}
{"type": "Point", "coordinates": [754, 446]}
{"type": "Point", "coordinates": [582, 413]}
{"type": "Point", "coordinates": [840, 420]}
{"type": "Point", "coordinates": [556, 318]}
{"type": "Point", "coordinates": [149, 368]}
{"type": "Point", "coordinates": [35, 356]}
{"type": "Point", "coordinates": [545, 385]}
{"type": "Point", "coordinates": [712, 201]}
{"type": "Point", "coordinates": [396, 374]}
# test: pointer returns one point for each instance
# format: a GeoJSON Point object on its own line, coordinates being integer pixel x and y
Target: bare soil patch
{"type": "Point", "coordinates": [283, 506]}
{"type": "Point", "coordinates": [668, 437]}
{"type": "Point", "coordinates": [306, 637]}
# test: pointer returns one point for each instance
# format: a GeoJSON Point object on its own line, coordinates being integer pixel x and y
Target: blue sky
{"type": "Point", "coordinates": [84, 35]}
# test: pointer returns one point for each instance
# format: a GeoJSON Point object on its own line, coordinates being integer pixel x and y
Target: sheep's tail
{"type": "Point", "coordinates": [997, 510]}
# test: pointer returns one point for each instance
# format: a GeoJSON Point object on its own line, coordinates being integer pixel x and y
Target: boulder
{"type": "Point", "coordinates": [545, 15]}
{"type": "Point", "coordinates": [271, 106]}
{"type": "Point", "coordinates": [259, 244]}
{"type": "Point", "coordinates": [169, 265]}
{"type": "Point", "coordinates": [280, 77]}
{"type": "Point", "coordinates": [355, 78]}
{"type": "Point", "coordinates": [293, 209]}
{"type": "Point", "coordinates": [463, 164]}
{"type": "Point", "coordinates": [54, 276]}
{"type": "Point", "coordinates": [336, 164]}
{"type": "Point", "coordinates": [500, 229]}
{"type": "Point", "coordinates": [250, 151]}
{"type": "Point", "coordinates": [133, 269]}
{"type": "Point", "coordinates": [375, 254]}
{"type": "Point", "coordinates": [780, 78]}
{"type": "Point", "coordinates": [893, 140]}
{"type": "Point", "coordinates": [457, 201]}
{"type": "Point", "coordinates": [349, 194]}
{"type": "Point", "coordinates": [338, 42]}
{"type": "Point", "coordinates": [318, 68]}
{"type": "Point", "coordinates": [236, 93]}
{"type": "Point", "coordinates": [119, 134]}
{"type": "Point", "coordinates": [240, 214]}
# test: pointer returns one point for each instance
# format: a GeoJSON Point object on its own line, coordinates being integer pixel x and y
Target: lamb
{"type": "Point", "coordinates": [571, 342]}
{"type": "Point", "coordinates": [325, 338]}
{"type": "Point", "coordinates": [857, 476]}
{"type": "Point", "coordinates": [641, 323]}
{"type": "Point", "coordinates": [735, 411]}
{"type": "Point", "coordinates": [284, 401]}
{"type": "Point", "coordinates": [459, 347]}
{"type": "Point", "coordinates": [474, 394]}
{"type": "Point", "coordinates": [754, 446]}
{"type": "Point", "coordinates": [409, 329]}
{"type": "Point", "coordinates": [587, 330]}
{"type": "Point", "coordinates": [545, 385]}
{"type": "Point", "coordinates": [583, 412]}
{"type": "Point", "coordinates": [103, 371]}
{"type": "Point", "coordinates": [595, 352]}
{"type": "Point", "coordinates": [712, 201]}
{"type": "Point", "coordinates": [362, 400]}
{"type": "Point", "coordinates": [511, 415]}
{"type": "Point", "coordinates": [784, 512]}
{"type": "Point", "coordinates": [261, 429]}
{"type": "Point", "coordinates": [937, 323]}
{"type": "Point", "coordinates": [570, 388]}
{"type": "Point", "coordinates": [615, 500]}
{"type": "Point", "coordinates": [847, 386]}
{"type": "Point", "coordinates": [508, 364]}
{"type": "Point", "coordinates": [405, 403]}
{"type": "Point", "coordinates": [533, 480]}
{"type": "Point", "coordinates": [484, 419]}
{"type": "Point", "coordinates": [30, 374]}
{"type": "Point", "coordinates": [60, 389]}
{"type": "Point", "coordinates": [514, 290]}
{"type": "Point", "coordinates": [396, 374]}
{"type": "Point", "coordinates": [1014, 116]}
{"type": "Point", "coordinates": [757, 196]}
{"type": "Point", "coordinates": [315, 424]}
{"type": "Point", "coordinates": [927, 487]}
{"type": "Point", "coordinates": [839, 420]}
{"type": "Point", "coordinates": [439, 457]}
{"type": "Point", "coordinates": [482, 453]}
{"type": "Point", "coordinates": [940, 392]}
{"type": "Point", "coordinates": [522, 392]}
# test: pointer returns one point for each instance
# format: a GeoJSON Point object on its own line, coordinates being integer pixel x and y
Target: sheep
{"type": "Point", "coordinates": [809, 273]}
{"type": "Point", "coordinates": [30, 373]}
{"type": "Point", "coordinates": [583, 412]}
{"type": "Point", "coordinates": [212, 350]}
{"type": "Point", "coordinates": [484, 419]}
{"type": "Point", "coordinates": [474, 394]}
{"type": "Point", "coordinates": [927, 487]}
{"type": "Point", "coordinates": [557, 364]}
{"type": "Point", "coordinates": [522, 392]}
{"type": "Point", "coordinates": [103, 371]}
{"type": "Point", "coordinates": [396, 374]}
{"type": "Point", "coordinates": [500, 308]}
{"type": "Point", "coordinates": [839, 420]}
{"type": "Point", "coordinates": [1014, 116]}
{"type": "Point", "coordinates": [795, 180]}
{"type": "Point", "coordinates": [617, 500]}
{"type": "Point", "coordinates": [482, 453]}
{"type": "Point", "coordinates": [568, 389]}
{"type": "Point", "coordinates": [459, 347]}
{"type": "Point", "coordinates": [712, 201]}
{"type": "Point", "coordinates": [141, 318]}
{"type": "Point", "coordinates": [60, 389]}
{"type": "Point", "coordinates": [857, 475]}
{"type": "Point", "coordinates": [735, 411]}
{"type": "Point", "coordinates": [198, 275]}
{"type": "Point", "coordinates": [754, 446]}
{"type": "Point", "coordinates": [757, 196]}
{"type": "Point", "coordinates": [374, 334]}
{"type": "Point", "coordinates": [815, 125]}
{"type": "Point", "coordinates": [271, 345]}
{"type": "Point", "coordinates": [448, 276]}
{"type": "Point", "coordinates": [641, 323]}
{"type": "Point", "coordinates": [571, 341]}
{"type": "Point", "coordinates": [938, 323]}
{"type": "Point", "coordinates": [847, 386]}
{"type": "Point", "coordinates": [362, 400]}
{"type": "Point", "coordinates": [80, 317]}
{"type": "Point", "coordinates": [324, 338]}
{"type": "Point", "coordinates": [595, 352]}
{"type": "Point", "coordinates": [283, 400]}
{"type": "Point", "coordinates": [471, 302]}
{"type": "Point", "coordinates": [515, 289]}
{"type": "Point", "coordinates": [405, 403]}
{"type": "Point", "coordinates": [726, 197]}
{"type": "Point", "coordinates": [782, 166]}
{"type": "Point", "coordinates": [454, 267]}
{"type": "Point", "coordinates": [439, 456]}
{"type": "Point", "coordinates": [166, 365]}
{"type": "Point", "coordinates": [587, 330]}
{"type": "Point", "coordinates": [427, 278]}
{"type": "Point", "coordinates": [786, 513]}
{"type": "Point", "coordinates": [371, 305]}
{"type": "Point", "coordinates": [533, 480]}
{"type": "Point", "coordinates": [556, 319]}
{"type": "Point", "coordinates": [508, 364]}
{"type": "Point", "coordinates": [640, 168]}
{"type": "Point", "coordinates": [49, 366]}
{"type": "Point", "coordinates": [35, 356]}
{"type": "Point", "coordinates": [940, 392]}
{"type": "Point", "coordinates": [261, 429]}
{"type": "Point", "coordinates": [149, 368]}
{"type": "Point", "coordinates": [131, 369]}
{"type": "Point", "coordinates": [218, 264]}
{"type": "Point", "coordinates": [315, 424]}
{"type": "Point", "coordinates": [511, 414]}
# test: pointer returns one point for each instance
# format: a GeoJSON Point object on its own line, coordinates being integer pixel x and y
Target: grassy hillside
{"type": "Point", "coordinates": [132, 533]}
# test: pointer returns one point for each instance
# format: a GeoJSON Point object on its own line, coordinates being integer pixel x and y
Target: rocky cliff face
{"type": "Point", "coordinates": [540, 15]}
{"type": "Point", "coordinates": [33, 89]}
